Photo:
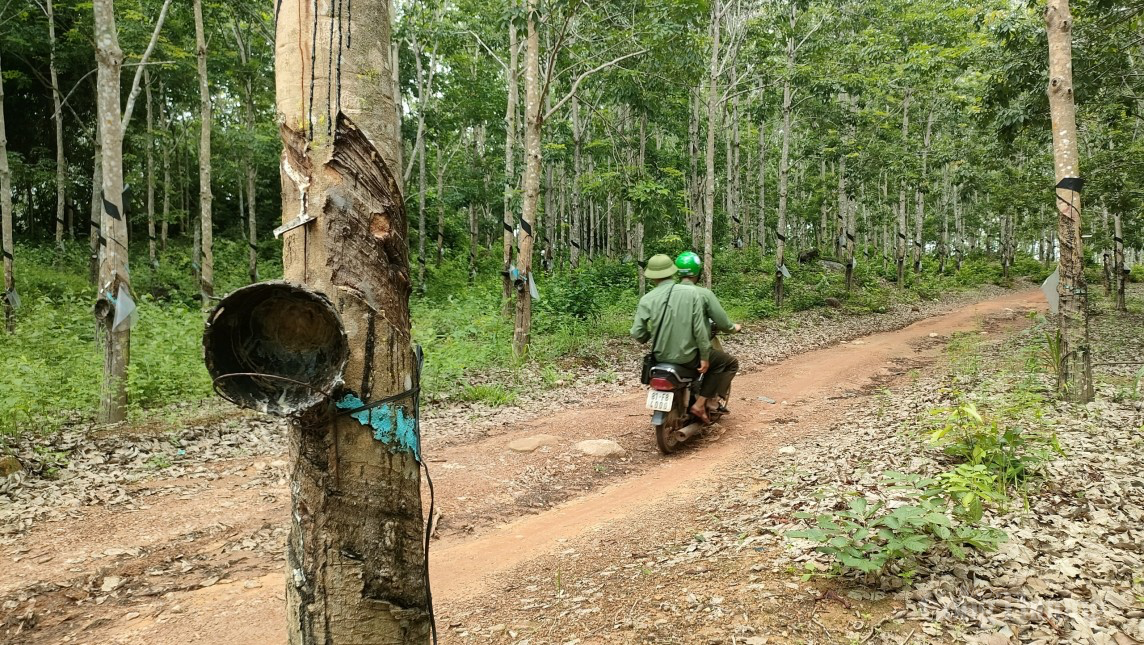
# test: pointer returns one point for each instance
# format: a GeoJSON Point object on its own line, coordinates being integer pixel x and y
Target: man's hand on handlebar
{"type": "Point", "coordinates": [738, 328]}
{"type": "Point", "coordinates": [703, 366]}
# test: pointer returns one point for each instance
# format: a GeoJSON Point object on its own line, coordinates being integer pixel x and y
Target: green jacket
{"type": "Point", "coordinates": [715, 314]}
{"type": "Point", "coordinates": [684, 337]}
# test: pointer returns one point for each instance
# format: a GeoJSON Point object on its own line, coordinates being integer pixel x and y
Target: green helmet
{"type": "Point", "coordinates": [689, 264]}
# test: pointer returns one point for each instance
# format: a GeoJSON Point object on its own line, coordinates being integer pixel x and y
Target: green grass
{"type": "Point", "coordinates": [50, 368]}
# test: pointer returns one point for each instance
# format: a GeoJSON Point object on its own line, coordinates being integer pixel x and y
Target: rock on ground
{"type": "Point", "coordinates": [530, 444]}
{"type": "Point", "coordinates": [601, 448]}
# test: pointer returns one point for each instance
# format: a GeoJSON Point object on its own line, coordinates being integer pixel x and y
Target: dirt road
{"type": "Point", "coordinates": [198, 559]}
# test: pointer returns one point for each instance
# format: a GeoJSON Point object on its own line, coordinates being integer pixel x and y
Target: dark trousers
{"type": "Point", "coordinates": [717, 380]}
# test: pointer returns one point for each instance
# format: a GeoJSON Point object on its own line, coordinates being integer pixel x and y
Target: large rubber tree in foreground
{"type": "Point", "coordinates": [355, 556]}
{"type": "Point", "coordinates": [1075, 362]}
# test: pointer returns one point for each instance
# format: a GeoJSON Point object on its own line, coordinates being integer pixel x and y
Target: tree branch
{"type": "Point", "coordinates": [142, 63]}
{"type": "Point", "coordinates": [500, 62]}
{"type": "Point", "coordinates": [580, 78]}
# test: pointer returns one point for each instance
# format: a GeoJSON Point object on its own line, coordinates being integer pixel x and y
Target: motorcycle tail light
{"type": "Point", "coordinates": [661, 384]}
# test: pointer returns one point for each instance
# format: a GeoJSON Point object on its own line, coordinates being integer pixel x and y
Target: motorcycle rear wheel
{"type": "Point", "coordinates": [665, 432]}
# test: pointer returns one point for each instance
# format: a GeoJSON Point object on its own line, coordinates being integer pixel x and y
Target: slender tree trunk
{"type": "Point", "coordinates": [958, 227]}
{"type": "Point", "coordinates": [6, 243]}
{"type": "Point", "coordinates": [1118, 265]}
{"type": "Point", "coordinates": [440, 204]}
{"type": "Point", "coordinates": [762, 216]}
{"type": "Point", "coordinates": [355, 554]}
{"type": "Point", "coordinates": [784, 164]}
{"type": "Point", "coordinates": [1106, 253]}
{"type": "Point", "coordinates": [95, 223]}
{"type": "Point", "coordinates": [574, 237]}
{"type": "Point", "coordinates": [1075, 371]}
{"type": "Point", "coordinates": [206, 271]}
{"type": "Point", "coordinates": [549, 207]}
{"type": "Point", "coordinates": [152, 254]}
{"type": "Point", "coordinates": [712, 116]}
{"type": "Point", "coordinates": [422, 186]}
{"type": "Point", "coordinates": [945, 199]}
{"type": "Point", "coordinates": [509, 163]}
{"type": "Point", "coordinates": [57, 104]}
{"type": "Point", "coordinates": [113, 272]}
{"type": "Point", "coordinates": [249, 169]}
{"type": "Point", "coordinates": [639, 218]}
{"type": "Point", "coordinates": [733, 200]}
{"type": "Point", "coordinates": [902, 194]}
{"type": "Point", "coordinates": [920, 196]}
{"type": "Point", "coordinates": [532, 161]}
{"type": "Point", "coordinates": [695, 201]}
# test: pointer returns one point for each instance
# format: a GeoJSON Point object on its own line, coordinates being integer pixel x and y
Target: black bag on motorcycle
{"type": "Point", "coordinates": [645, 370]}
{"type": "Point", "coordinates": [649, 359]}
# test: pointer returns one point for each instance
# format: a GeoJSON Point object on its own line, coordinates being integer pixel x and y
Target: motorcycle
{"type": "Point", "coordinates": [670, 396]}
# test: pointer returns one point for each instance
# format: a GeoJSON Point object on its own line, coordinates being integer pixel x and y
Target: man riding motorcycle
{"type": "Point", "coordinates": [689, 268]}
{"type": "Point", "coordinates": [672, 317]}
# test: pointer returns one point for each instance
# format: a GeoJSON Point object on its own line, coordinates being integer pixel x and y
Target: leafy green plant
{"type": "Point", "coordinates": [1007, 453]}
{"type": "Point", "coordinates": [870, 536]}
{"type": "Point", "coordinates": [971, 486]}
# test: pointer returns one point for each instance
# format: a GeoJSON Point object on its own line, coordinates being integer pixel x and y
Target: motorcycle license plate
{"type": "Point", "coordinates": [661, 401]}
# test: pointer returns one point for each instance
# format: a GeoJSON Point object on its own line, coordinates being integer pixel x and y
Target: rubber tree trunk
{"type": "Point", "coordinates": [902, 194]}
{"type": "Point", "coordinates": [639, 216]}
{"type": "Point", "coordinates": [1075, 370]}
{"type": "Point", "coordinates": [695, 192]}
{"type": "Point", "coordinates": [113, 269]}
{"type": "Point", "coordinates": [946, 194]}
{"type": "Point", "coordinates": [206, 239]}
{"type": "Point", "coordinates": [57, 104]}
{"type": "Point", "coordinates": [958, 228]}
{"type": "Point", "coordinates": [1118, 264]}
{"type": "Point", "coordinates": [152, 238]}
{"type": "Point", "coordinates": [249, 169]}
{"type": "Point", "coordinates": [712, 116]}
{"type": "Point", "coordinates": [6, 243]}
{"type": "Point", "coordinates": [422, 187]}
{"type": "Point", "coordinates": [1106, 254]}
{"type": "Point", "coordinates": [355, 553]}
{"type": "Point", "coordinates": [761, 219]}
{"type": "Point", "coordinates": [440, 204]}
{"type": "Point", "coordinates": [510, 163]}
{"type": "Point", "coordinates": [920, 196]}
{"type": "Point", "coordinates": [95, 223]}
{"type": "Point", "coordinates": [733, 174]}
{"type": "Point", "coordinates": [784, 163]}
{"type": "Point", "coordinates": [522, 330]}
{"type": "Point", "coordinates": [574, 238]}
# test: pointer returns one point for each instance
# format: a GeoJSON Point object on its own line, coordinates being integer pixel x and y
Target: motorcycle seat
{"type": "Point", "coordinates": [680, 372]}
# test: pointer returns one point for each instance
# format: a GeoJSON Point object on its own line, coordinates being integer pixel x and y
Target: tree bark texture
{"type": "Point", "coordinates": [6, 242]}
{"type": "Point", "coordinates": [96, 221]}
{"type": "Point", "coordinates": [532, 129]}
{"type": "Point", "coordinates": [152, 255]}
{"type": "Point", "coordinates": [784, 164]}
{"type": "Point", "coordinates": [1118, 262]}
{"type": "Point", "coordinates": [574, 237]}
{"type": "Point", "coordinates": [510, 162]}
{"type": "Point", "coordinates": [1075, 371]}
{"type": "Point", "coordinates": [712, 116]}
{"type": "Point", "coordinates": [902, 195]}
{"type": "Point", "coordinates": [355, 554]}
{"type": "Point", "coordinates": [57, 104]}
{"type": "Point", "coordinates": [249, 170]}
{"type": "Point", "coordinates": [112, 249]}
{"type": "Point", "coordinates": [761, 218]}
{"type": "Point", "coordinates": [920, 196]}
{"type": "Point", "coordinates": [206, 266]}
